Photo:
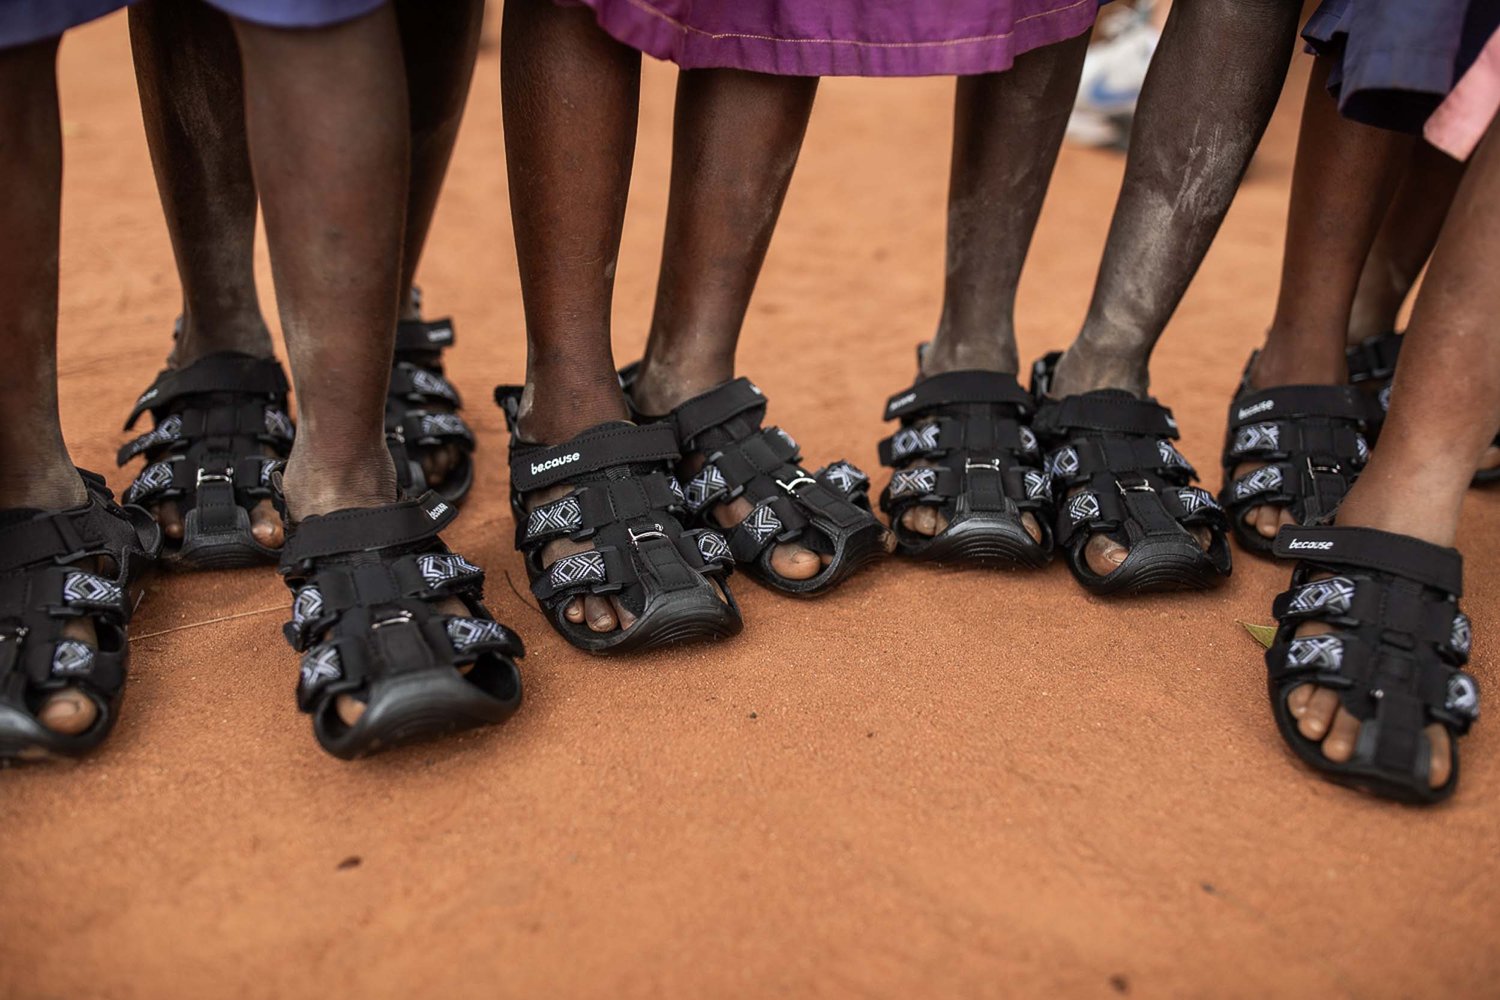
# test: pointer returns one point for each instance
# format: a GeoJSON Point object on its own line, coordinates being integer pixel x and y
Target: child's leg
{"type": "Point", "coordinates": [1447, 390]}
{"type": "Point", "coordinates": [735, 144]}
{"type": "Point", "coordinates": [440, 42]}
{"type": "Point", "coordinates": [188, 70]}
{"type": "Point", "coordinates": [1007, 129]}
{"type": "Point", "coordinates": [570, 95]}
{"type": "Point", "coordinates": [35, 469]}
{"type": "Point", "coordinates": [1344, 176]}
{"type": "Point", "coordinates": [326, 117]}
{"type": "Point", "coordinates": [1405, 242]}
{"type": "Point", "coordinates": [1212, 87]}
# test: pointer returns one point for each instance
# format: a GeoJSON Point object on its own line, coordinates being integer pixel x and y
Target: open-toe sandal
{"type": "Point", "coordinates": [982, 470]}
{"type": "Point", "coordinates": [421, 411]}
{"type": "Point", "coordinates": [57, 567]}
{"type": "Point", "coordinates": [1394, 654]}
{"type": "Point", "coordinates": [367, 584]}
{"type": "Point", "coordinates": [1313, 441]}
{"type": "Point", "coordinates": [827, 511]}
{"type": "Point", "coordinates": [221, 431]}
{"type": "Point", "coordinates": [1372, 365]}
{"type": "Point", "coordinates": [1116, 471]}
{"type": "Point", "coordinates": [624, 499]}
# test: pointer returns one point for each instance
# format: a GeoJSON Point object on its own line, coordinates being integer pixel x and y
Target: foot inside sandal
{"type": "Point", "coordinates": [430, 443]}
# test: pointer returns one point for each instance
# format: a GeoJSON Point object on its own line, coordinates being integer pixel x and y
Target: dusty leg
{"type": "Point", "coordinates": [1007, 128]}
{"type": "Point", "coordinates": [1344, 178]}
{"type": "Point", "coordinates": [1211, 89]}
{"type": "Point", "coordinates": [570, 95]}
{"type": "Point", "coordinates": [187, 68]}
{"type": "Point", "coordinates": [1447, 389]}
{"type": "Point", "coordinates": [735, 144]}
{"type": "Point", "coordinates": [1212, 86]}
{"type": "Point", "coordinates": [35, 470]}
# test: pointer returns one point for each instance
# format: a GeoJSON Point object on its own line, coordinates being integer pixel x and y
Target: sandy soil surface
{"type": "Point", "coordinates": [928, 784]}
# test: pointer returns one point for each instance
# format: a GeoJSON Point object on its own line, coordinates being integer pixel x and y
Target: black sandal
{"type": "Point", "coordinates": [827, 512]}
{"type": "Point", "coordinates": [625, 499]}
{"type": "Point", "coordinates": [1314, 442]}
{"type": "Point", "coordinates": [1372, 365]}
{"type": "Point", "coordinates": [41, 589]}
{"type": "Point", "coordinates": [417, 385]}
{"type": "Point", "coordinates": [1394, 658]}
{"type": "Point", "coordinates": [986, 470]}
{"type": "Point", "coordinates": [1133, 485]}
{"type": "Point", "coordinates": [215, 420]}
{"type": "Point", "coordinates": [366, 583]}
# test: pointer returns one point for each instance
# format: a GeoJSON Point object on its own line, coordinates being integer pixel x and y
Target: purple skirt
{"type": "Point", "coordinates": [843, 37]}
{"type": "Point", "coordinates": [25, 21]}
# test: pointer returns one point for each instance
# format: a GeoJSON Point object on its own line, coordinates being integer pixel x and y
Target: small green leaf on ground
{"type": "Point", "coordinates": [1263, 634]}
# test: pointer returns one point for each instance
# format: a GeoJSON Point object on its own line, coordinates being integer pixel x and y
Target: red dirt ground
{"type": "Point", "coordinates": [928, 784]}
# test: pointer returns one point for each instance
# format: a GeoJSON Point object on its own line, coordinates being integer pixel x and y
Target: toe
{"type": "Point", "coordinates": [1104, 555]}
{"type": "Point", "coordinates": [1442, 759]}
{"type": "Point", "coordinates": [922, 520]}
{"type": "Point", "coordinates": [795, 562]}
{"type": "Point", "coordinates": [1321, 706]}
{"type": "Point", "coordinates": [574, 611]}
{"type": "Point", "coordinates": [1296, 702]}
{"type": "Point", "coordinates": [599, 614]}
{"type": "Point", "coordinates": [1490, 459]}
{"type": "Point", "coordinates": [1268, 520]}
{"type": "Point", "coordinates": [349, 709]}
{"type": "Point", "coordinates": [170, 518]}
{"type": "Point", "coordinates": [68, 712]}
{"type": "Point", "coordinates": [1033, 528]}
{"type": "Point", "coordinates": [438, 463]}
{"type": "Point", "coordinates": [1342, 734]}
{"type": "Point", "coordinates": [621, 614]}
{"type": "Point", "coordinates": [265, 525]}
{"type": "Point", "coordinates": [1202, 536]}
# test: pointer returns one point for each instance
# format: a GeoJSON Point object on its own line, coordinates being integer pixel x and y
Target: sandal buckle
{"type": "Point", "coordinates": [1332, 470]}
{"type": "Point", "coordinates": [16, 634]}
{"type": "Point", "coordinates": [1139, 485]}
{"type": "Point", "coordinates": [637, 537]}
{"type": "Point", "coordinates": [797, 481]}
{"type": "Point", "coordinates": [227, 476]}
{"type": "Point", "coordinates": [993, 465]}
{"type": "Point", "coordinates": [399, 618]}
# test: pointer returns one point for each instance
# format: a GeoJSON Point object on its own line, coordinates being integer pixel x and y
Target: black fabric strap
{"type": "Point", "coordinates": [1374, 357]}
{"type": "Point", "coordinates": [959, 387]}
{"type": "Point", "coordinates": [1108, 411]}
{"type": "Point", "coordinates": [368, 528]}
{"type": "Point", "coordinates": [1369, 548]}
{"type": "Point", "coordinates": [599, 448]}
{"type": "Point", "coordinates": [413, 335]}
{"type": "Point", "coordinates": [716, 407]}
{"type": "Point", "coordinates": [226, 372]}
{"type": "Point", "coordinates": [1340, 402]}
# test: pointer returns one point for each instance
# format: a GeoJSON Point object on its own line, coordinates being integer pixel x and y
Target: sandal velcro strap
{"type": "Point", "coordinates": [602, 447]}
{"type": "Point", "coordinates": [424, 335]}
{"type": "Point", "coordinates": [1393, 654]}
{"type": "Point", "coordinates": [227, 372]}
{"type": "Point", "coordinates": [1369, 548]}
{"type": "Point", "coordinates": [957, 388]}
{"type": "Point", "coordinates": [716, 407]}
{"type": "Point", "coordinates": [367, 528]}
{"type": "Point", "coordinates": [1106, 411]}
{"type": "Point", "coordinates": [1374, 358]}
{"type": "Point", "coordinates": [419, 385]}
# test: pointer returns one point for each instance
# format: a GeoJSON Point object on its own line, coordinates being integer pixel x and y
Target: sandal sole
{"type": "Point", "coordinates": [416, 708]}
{"type": "Point", "coordinates": [982, 542]}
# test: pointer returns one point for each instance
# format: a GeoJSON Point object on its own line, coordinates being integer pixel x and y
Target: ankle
{"type": "Point", "coordinates": [1087, 366]}
{"type": "Point", "coordinates": [1291, 358]}
{"type": "Point", "coordinates": [319, 484]}
{"type": "Point", "coordinates": [554, 409]}
{"type": "Point", "coordinates": [198, 338]}
{"type": "Point", "coordinates": [54, 486]}
{"type": "Point", "coordinates": [662, 386]}
{"type": "Point", "coordinates": [949, 353]}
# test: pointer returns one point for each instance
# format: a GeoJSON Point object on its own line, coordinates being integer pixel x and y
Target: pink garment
{"type": "Point", "coordinates": [1465, 115]}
